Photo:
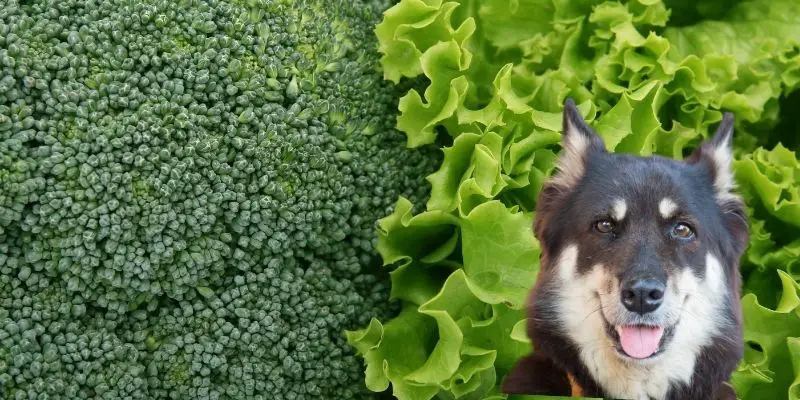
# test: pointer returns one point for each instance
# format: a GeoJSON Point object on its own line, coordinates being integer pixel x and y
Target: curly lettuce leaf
{"type": "Point", "coordinates": [427, 237]}
{"type": "Point", "coordinates": [794, 355]}
{"type": "Point", "coordinates": [499, 253]}
{"type": "Point", "coordinates": [767, 370]}
{"type": "Point", "coordinates": [395, 349]}
{"type": "Point", "coordinates": [653, 77]}
{"type": "Point", "coordinates": [407, 32]}
{"type": "Point", "coordinates": [773, 177]}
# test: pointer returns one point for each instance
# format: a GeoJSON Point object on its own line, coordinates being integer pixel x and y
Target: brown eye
{"type": "Point", "coordinates": [604, 226]}
{"type": "Point", "coordinates": [682, 231]}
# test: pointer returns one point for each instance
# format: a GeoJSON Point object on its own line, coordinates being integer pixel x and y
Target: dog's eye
{"type": "Point", "coordinates": [682, 231]}
{"type": "Point", "coordinates": [604, 226]}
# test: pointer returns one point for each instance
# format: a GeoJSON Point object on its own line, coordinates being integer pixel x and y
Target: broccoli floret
{"type": "Point", "coordinates": [188, 193]}
{"type": "Point", "coordinates": [56, 345]}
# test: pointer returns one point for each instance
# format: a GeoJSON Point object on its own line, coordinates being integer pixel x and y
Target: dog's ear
{"type": "Point", "coordinates": [579, 141]}
{"type": "Point", "coordinates": [716, 154]}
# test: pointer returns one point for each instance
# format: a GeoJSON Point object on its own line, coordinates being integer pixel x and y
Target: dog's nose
{"type": "Point", "coordinates": [643, 295]}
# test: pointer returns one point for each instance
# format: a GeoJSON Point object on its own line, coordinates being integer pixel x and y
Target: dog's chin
{"type": "Point", "coordinates": [667, 332]}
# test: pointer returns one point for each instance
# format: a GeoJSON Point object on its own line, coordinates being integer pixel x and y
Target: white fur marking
{"type": "Point", "coordinates": [620, 208]}
{"type": "Point", "coordinates": [570, 164]}
{"type": "Point", "coordinates": [722, 157]}
{"type": "Point", "coordinates": [667, 207]}
{"type": "Point", "coordinates": [715, 276]}
{"type": "Point", "coordinates": [724, 182]}
{"type": "Point", "coordinates": [582, 317]}
{"type": "Point", "coordinates": [568, 262]}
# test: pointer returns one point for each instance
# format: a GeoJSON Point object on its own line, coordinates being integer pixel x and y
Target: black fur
{"type": "Point", "coordinates": [550, 379]}
{"type": "Point", "coordinates": [564, 214]}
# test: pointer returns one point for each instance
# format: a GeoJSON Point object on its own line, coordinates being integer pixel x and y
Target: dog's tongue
{"type": "Point", "coordinates": [640, 341]}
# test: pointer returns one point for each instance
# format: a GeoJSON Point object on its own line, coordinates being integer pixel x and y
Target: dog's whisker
{"type": "Point", "coordinates": [590, 314]}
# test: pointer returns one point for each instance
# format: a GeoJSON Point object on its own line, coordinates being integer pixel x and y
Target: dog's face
{"type": "Point", "coordinates": [639, 254]}
{"type": "Point", "coordinates": [646, 237]}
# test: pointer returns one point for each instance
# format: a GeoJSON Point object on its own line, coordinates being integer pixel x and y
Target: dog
{"type": "Point", "coordinates": [638, 291]}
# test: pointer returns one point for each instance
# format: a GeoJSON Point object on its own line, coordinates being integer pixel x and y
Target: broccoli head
{"type": "Point", "coordinates": [188, 195]}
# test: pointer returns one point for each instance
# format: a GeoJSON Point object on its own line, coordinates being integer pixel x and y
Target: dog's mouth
{"type": "Point", "coordinates": [640, 341]}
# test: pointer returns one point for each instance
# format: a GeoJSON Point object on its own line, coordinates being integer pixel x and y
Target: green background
{"type": "Point", "coordinates": [652, 77]}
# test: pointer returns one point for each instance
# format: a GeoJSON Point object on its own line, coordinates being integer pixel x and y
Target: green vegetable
{"type": "Point", "coordinates": [653, 77]}
{"type": "Point", "coordinates": [771, 335]}
{"type": "Point", "coordinates": [188, 192]}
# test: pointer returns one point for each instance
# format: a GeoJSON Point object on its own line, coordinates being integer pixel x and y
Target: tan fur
{"type": "Point", "coordinates": [667, 208]}
{"type": "Point", "coordinates": [577, 390]}
{"type": "Point", "coordinates": [620, 209]}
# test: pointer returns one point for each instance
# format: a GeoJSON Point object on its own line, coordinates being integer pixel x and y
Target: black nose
{"type": "Point", "coordinates": [642, 295]}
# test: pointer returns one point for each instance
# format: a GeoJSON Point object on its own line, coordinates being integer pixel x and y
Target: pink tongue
{"type": "Point", "coordinates": [640, 341]}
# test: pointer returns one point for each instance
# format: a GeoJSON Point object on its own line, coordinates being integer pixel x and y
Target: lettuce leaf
{"type": "Point", "coordinates": [773, 179]}
{"type": "Point", "coordinates": [654, 77]}
{"type": "Point", "coordinates": [767, 370]}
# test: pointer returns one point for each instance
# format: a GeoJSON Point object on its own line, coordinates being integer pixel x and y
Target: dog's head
{"type": "Point", "coordinates": [639, 254]}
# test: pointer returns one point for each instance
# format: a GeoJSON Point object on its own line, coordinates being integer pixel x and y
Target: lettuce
{"type": "Point", "coordinates": [653, 77]}
{"type": "Point", "coordinates": [771, 178]}
{"type": "Point", "coordinates": [769, 367]}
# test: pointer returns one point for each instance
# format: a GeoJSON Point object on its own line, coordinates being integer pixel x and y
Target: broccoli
{"type": "Point", "coordinates": [188, 195]}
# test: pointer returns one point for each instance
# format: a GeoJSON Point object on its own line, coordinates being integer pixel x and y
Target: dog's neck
{"type": "Point", "coordinates": [556, 366]}
{"type": "Point", "coordinates": [579, 310]}
{"type": "Point", "coordinates": [671, 378]}
{"type": "Point", "coordinates": [630, 380]}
